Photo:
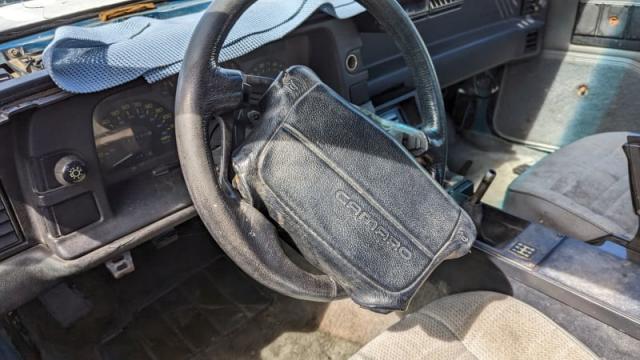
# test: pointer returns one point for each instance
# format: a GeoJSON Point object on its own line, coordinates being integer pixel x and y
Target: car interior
{"type": "Point", "coordinates": [320, 179]}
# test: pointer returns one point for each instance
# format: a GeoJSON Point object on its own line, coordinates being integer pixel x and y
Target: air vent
{"type": "Point", "coordinates": [531, 42]}
{"type": "Point", "coordinates": [436, 6]}
{"type": "Point", "coordinates": [9, 237]}
{"type": "Point", "coordinates": [530, 7]}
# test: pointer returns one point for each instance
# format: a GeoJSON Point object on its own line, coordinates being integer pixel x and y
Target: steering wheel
{"type": "Point", "coordinates": [249, 238]}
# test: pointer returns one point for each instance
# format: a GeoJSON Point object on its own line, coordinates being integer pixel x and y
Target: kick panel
{"type": "Point", "coordinates": [558, 98]}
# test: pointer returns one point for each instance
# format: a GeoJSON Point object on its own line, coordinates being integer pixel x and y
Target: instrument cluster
{"type": "Point", "coordinates": [134, 130]}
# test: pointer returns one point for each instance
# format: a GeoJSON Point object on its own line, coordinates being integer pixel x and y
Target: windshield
{"type": "Point", "coordinates": [20, 13]}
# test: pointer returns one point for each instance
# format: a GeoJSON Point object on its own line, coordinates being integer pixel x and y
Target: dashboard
{"type": "Point", "coordinates": [83, 177]}
{"type": "Point", "coordinates": [100, 167]}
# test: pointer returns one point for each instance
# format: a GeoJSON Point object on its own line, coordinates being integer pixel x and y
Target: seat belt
{"type": "Point", "coordinates": [632, 151]}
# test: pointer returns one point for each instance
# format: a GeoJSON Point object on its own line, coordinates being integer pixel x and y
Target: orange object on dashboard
{"type": "Point", "coordinates": [125, 10]}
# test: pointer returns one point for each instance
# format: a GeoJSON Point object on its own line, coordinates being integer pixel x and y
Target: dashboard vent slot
{"type": "Point", "coordinates": [9, 237]}
{"type": "Point", "coordinates": [436, 6]}
{"type": "Point", "coordinates": [531, 42]}
{"type": "Point", "coordinates": [530, 7]}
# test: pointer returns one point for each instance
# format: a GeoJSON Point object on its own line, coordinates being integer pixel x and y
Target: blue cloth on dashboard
{"type": "Point", "coordinates": [84, 60]}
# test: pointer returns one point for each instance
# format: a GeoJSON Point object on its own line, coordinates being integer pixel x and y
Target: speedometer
{"type": "Point", "coordinates": [130, 132]}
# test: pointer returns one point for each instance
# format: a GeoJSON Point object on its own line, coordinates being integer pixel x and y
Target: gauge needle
{"type": "Point", "coordinates": [119, 162]}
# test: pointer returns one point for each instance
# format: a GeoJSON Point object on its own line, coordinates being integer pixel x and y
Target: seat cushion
{"type": "Point", "coordinates": [475, 325]}
{"type": "Point", "coordinates": [581, 190]}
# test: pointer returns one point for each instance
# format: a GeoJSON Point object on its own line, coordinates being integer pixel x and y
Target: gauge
{"type": "Point", "coordinates": [268, 68]}
{"type": "Point", "coordinates": [130, 132]}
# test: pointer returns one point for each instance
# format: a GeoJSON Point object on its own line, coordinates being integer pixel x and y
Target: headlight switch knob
{"type": "Point", "coordinates": [70, 169]}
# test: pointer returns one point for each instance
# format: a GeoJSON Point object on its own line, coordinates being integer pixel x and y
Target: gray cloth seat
{"type": "Point", "coordinates": [581, 190]}
{"type": "Point", "coordinates": [475, 325]}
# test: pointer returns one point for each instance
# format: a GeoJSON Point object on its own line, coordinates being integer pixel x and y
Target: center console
{"type": "Point", "coordinates": [602, 281]}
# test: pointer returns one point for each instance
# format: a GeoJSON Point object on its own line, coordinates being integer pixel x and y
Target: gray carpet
{"type": "Point", "coordinates": [486, 152]}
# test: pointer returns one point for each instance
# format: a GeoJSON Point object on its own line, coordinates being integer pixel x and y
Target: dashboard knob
{"type": "Point", "coordinates": [70, 170]}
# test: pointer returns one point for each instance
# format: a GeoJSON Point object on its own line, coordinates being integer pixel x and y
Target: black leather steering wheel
{"type": "Point", "coordinates": [206, 90]}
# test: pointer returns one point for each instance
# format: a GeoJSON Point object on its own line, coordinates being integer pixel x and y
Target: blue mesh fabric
{"type": "Point", "coordinates": [84, 60]}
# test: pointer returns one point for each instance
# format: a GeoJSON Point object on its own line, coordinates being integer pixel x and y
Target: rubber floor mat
{"type": "Point", "coordinates": [180, 324]}
{"type": "Point", "coordinates": [187, 300]}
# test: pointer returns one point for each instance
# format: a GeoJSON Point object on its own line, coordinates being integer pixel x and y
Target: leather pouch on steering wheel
{"type": "Point", "coordinates": [355, 202]}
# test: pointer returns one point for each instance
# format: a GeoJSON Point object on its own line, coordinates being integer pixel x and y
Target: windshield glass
{"type": "Point", "coordinates": [20, 13]}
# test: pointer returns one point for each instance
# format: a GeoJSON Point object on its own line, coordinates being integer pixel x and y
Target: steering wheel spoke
{"type": "Point", "coordinates": [224, 91]}
{"type": "Point", "coordinates": [255, 87]}
{"type": "Point", "coordinates": [225, 128]}
{"type": "Point", "coordinates": [230, 89]}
